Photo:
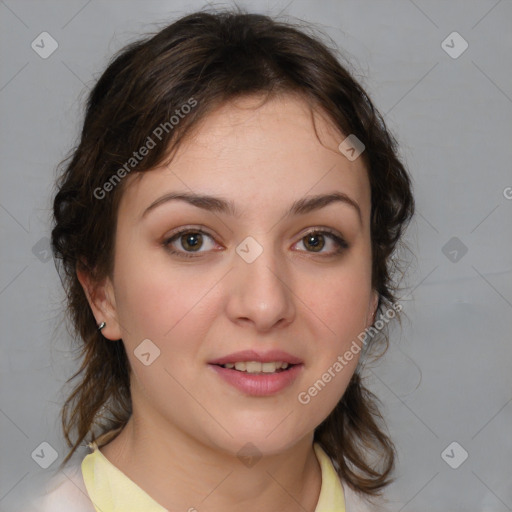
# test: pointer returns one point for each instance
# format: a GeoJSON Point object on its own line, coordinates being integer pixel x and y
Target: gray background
{"type": "Point", "coordinates": [447, 374]}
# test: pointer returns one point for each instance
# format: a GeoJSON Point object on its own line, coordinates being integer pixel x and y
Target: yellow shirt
{"type": "Point", "coordinates": [110, 490]}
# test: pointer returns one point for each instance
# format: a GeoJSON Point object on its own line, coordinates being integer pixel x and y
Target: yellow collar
{"type": "Point", "coordinates": [110, 490]}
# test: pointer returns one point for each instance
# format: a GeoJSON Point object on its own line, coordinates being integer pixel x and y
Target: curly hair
{"type": "Point", "coordinates": [211, 58]}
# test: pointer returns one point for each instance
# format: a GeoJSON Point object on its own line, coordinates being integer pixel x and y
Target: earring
{"type": "Point", "coordinates": [102, 325]}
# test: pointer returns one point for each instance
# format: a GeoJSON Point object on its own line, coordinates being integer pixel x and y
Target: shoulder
{"type": "Point", "coordinates": [64, 491]}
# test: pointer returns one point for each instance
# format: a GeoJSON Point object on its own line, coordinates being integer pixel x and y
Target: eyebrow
{"type": "Point", "coordinates": [220, 205]}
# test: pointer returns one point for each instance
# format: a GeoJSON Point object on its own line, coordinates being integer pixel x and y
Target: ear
{"type": "Point", "coordinates": [372, 308]}
{"type": "Point", "coordinates": [101, 298]}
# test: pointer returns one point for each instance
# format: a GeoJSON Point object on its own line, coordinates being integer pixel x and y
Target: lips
{"type": "Point", "coordinates": [262, 357]}
{"type": "Point", "coordinates": [259, 383]}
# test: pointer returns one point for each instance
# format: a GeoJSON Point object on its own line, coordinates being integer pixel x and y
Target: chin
{"type": "Point", "coordinates": [249, 441]}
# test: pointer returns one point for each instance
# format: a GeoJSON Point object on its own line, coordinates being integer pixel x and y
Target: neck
{"type": "Point", "coordinates": [181, 473]}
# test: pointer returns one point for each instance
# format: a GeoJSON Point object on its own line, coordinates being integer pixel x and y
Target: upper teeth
{"type": "Point", "coordinates": [256, 366]}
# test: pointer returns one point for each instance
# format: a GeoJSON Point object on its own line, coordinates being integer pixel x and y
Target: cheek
{"type": "Point", "coordinates": [340, 300]}
{"type": "Point", "coordinates": [338, 309]}
{"type": "Point", "coordinates": [155, 300]}
{"type": "Point", "coordinates": [154, 305]}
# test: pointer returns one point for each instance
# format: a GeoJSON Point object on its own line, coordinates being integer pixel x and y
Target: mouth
{"type": "Point", "coordinates": [252, 359]}
{"type": "Point", "coordinates": [257, 367]}
{"type": "Point", "coordinates": [258, 374]}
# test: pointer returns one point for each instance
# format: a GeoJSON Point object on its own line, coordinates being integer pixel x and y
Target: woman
{"type": "Point", "coordinates": [225, 230]}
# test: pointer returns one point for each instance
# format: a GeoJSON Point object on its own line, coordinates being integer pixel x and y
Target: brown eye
{"type": "Point", "coordinates": [315, 241]}
{"type": "Point", "coordinates": [187, 242]}
{"type": "Point", "coordinates": [191, 241]}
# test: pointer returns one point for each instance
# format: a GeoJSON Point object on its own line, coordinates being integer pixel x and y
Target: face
{"type": "Point", "coordinates": [260, 269]}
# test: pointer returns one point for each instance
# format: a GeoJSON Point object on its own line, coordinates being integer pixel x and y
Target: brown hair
{"type": "Point", "coordinates": [207, 59]}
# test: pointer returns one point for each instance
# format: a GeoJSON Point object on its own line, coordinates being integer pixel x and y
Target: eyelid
{"type": "Point", "coordinates": [337, 237]}
{"type": "Point", "coordinates": [323, 230]}
{"type": "Point", "coordinates": [184, 229]}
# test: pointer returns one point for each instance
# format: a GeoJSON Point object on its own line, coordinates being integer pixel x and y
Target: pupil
{"type": "Point", "coordinates": [191, 242]}
{"type": "Point", "coordinates": [312, 240]}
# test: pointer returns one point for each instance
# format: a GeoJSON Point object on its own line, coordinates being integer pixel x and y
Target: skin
{"type": "Point", "coordinates": [188, 424]}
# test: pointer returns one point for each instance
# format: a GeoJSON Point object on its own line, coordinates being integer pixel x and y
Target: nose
{"type": "Point", "coordinates": [260, 293]}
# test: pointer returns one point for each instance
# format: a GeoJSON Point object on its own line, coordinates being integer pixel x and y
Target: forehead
{"type": "Point", "coordinates": [256, 152]}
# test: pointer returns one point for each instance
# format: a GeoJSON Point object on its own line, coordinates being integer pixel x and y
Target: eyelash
{"type": "Point", "coordinates": [340, 242]}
